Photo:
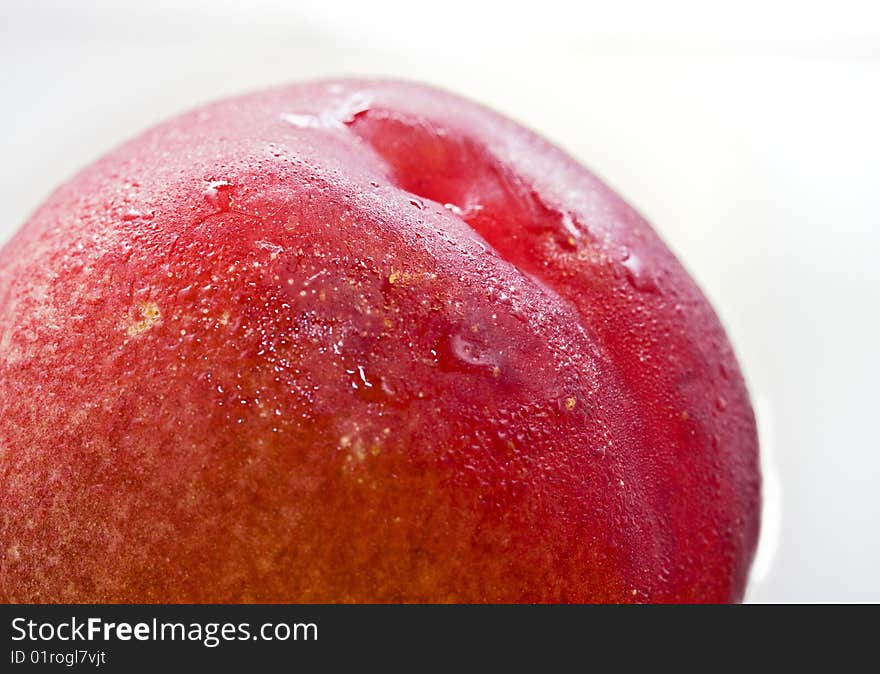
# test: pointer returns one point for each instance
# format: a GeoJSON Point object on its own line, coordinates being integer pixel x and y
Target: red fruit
{"type": "Point", "coordinates": [361, 341]}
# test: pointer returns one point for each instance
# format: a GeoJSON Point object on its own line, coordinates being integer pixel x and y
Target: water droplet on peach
{"type": "Point", "coordinates": [217, 193]}
{"type": "Point", "coordinates": [638, 275]}
{"type": "Point", "coordinates": [472, 352]}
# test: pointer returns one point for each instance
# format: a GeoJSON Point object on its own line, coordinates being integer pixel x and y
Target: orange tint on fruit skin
{"type": "Point", "coordinates": [361, 341]}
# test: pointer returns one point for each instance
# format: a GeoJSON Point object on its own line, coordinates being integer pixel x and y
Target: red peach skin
{"type": "Point", "coordinates": [362, 341]}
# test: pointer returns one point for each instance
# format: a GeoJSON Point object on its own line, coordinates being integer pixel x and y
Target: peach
{"type": "Point", "coordinates": [362, 341]}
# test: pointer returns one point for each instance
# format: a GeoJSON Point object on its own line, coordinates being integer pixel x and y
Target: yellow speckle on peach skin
{"type": "Point", "coordinates": [150, 315]}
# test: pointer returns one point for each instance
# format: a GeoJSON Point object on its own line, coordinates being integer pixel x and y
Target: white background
{"type": "Point", "coordinates": [748, 133]}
